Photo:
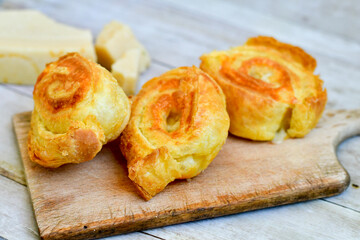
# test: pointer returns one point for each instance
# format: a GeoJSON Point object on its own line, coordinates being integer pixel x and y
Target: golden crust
{"type": "Point", "coordinates": [269, 87]}
{"type": "Point", "coordinates": [289, 52]}
{"type": "Point", "coordinates": [78, 108]}
{"type": "Point", "coordinates": [177, 126]}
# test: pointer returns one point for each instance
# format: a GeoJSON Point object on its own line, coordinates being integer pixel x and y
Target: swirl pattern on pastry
{"type": "Point", "coordinates": [78, 107]}
{"type": "Point", "coordinates": [270, 88]}
{"type": "Point", "coordinates": [178, 125]}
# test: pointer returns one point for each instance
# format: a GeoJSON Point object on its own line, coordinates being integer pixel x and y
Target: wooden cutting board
{"type": "Point", "coordinates": [96, 198]}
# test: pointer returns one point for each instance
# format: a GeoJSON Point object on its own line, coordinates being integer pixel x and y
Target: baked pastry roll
{"type": "Point", "coordinates": [177, 126]}
{"type": "Point", "coordinates": [270, 88]}
{"type": "Point", "coordinates": [78, 107]}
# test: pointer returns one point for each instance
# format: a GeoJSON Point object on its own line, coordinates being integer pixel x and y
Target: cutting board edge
{"type": "Point", "coordinates": [117, 226]}
{"type": "Point", "coordinates": [109, 228]}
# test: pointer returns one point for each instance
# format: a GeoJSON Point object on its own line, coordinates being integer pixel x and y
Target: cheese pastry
{"type": "Point", "coordinates": [178, 125]}
{"type": "Point", "coordinates": [78, 107]}
{"type": "Point", "coordinates": [271, 90]}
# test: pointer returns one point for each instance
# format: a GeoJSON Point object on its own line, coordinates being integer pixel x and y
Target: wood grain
{"type": "Point", "coordinates": [315, 220]}
{"type": "Point", "coordinates": [10, 160]}
{"type": "Point", "coordinates": [326, 18]}
{"type": "Point", "coordinates": [349, 156]}
{"type": "Point", "coordinates": [96, 198]}
{"type": "Point", "coordinates": [16, 214]}
{"type": "Point", "coordinates": [175, 32]}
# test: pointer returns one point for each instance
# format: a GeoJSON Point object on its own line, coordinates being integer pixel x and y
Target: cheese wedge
{"type": "Point", "coordinates": [126, 70]}
{"type": "Point", "coordinates": [29, 40]}
{"type": "Point", "coordinates": [114, 40]}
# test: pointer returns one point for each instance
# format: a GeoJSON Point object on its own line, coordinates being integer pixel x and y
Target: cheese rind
{"type": "Point", "coordinates": [114, 40]}
{"type": "Point", "coordinates": [32, 40]}
{"type": "Point", "coordinates": [126, 70]}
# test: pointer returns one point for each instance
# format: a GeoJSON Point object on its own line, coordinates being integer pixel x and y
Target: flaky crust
{"type": "Point", "coordinates": [177, 126]}
{"type": "Point", "coordinates": [269, 86]}
{"type": "Point", "coordinates": [78, 107]}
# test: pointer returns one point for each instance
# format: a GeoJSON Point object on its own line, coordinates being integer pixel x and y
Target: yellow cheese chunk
{"type": "Point", "coordinates": [29, 40]}
{"type": "Point", "coordinates": [114, 40]}
{"type": "Point", "coordinates": [126, 70]}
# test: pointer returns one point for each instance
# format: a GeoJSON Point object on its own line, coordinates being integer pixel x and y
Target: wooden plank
{"type": "Point", "coordinates": [10, 161]}
{"type": "Point", "coordinates": [257, 175]}
{"type": "Point", "coordinates": [25, 90]}
{"type": "Point", "coordinates": [16, 215]}
{"type": "Point", "coordinates": [310, 220]}
{"type": "Point", "coordinates": [342, 94]}
{"type": "Point", "coordinates": [229, 18]}
{"type": "Point", "coordinates": [331, 16]}
{"type": "Point", "coordinates": [133, 236]}
{"type": "Point", "coordinates": [349, 156]}
{"type": "Point", "coordinates": [17, 219]}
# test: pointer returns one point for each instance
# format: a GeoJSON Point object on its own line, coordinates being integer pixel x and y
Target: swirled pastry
{"type": "Point", "coordinates": [78, 108]}
{"type": "Point", "coordinates": [269, 87]}
{"type": "Point", "coordinates": [178, 125]}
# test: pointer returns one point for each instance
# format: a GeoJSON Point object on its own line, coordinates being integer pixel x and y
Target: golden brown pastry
{"type": "Point", "coordinates": [78, 107]}
{"type": "Point", "coordinates": [270, 88]}
{"type": "Point", "coordinates": [178, 125]}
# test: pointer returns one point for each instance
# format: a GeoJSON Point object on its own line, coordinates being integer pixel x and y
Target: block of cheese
{"type": "Point", "coordinates": [126, 70]}
{"type": "Point", "coordinates": [114, 40]}
{"type": "Point", "coordinates": [29, 40]}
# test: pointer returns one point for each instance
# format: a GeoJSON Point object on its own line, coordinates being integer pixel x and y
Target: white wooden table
{"type": "Point", "coordinates": [176, 33]}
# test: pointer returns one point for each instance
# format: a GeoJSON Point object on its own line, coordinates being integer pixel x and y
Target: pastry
{"type": "Point", "coordinates": [270, 87]}
{"type": "Point", "coordinates": [78, 107]}
{"type": "Point", "coordinates": [177, 126]}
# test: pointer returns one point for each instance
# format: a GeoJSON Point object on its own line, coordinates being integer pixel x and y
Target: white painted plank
{"type": "Point", "coordinates": [25, 90]}
{"type": "Point", "coordinates": [349, 156]}
{"type": "Point", "coordinates": [10, 161]}
{"type": "Point", "coordinates": [310, 220]}
{"type": "Point", "coordinates": [16, 215]}
{"type": "Point", "coordinates": [235, 17]}
{"type": "Point", "coordinates": [132, 236]}
{"type": "Point", "coordinates": [333, 16]}
{"type": "Point", "coordinates": [339, 69]}
{"type": "Point", "coordinates": [154, 70]}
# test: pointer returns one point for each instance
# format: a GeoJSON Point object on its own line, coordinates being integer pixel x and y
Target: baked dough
{"type": "Point", "coordinates": [78, 107]}
{"type": "Point", "coordinates": [270, 88]}
{"type": "Point", "coordinates": [178, 125]}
